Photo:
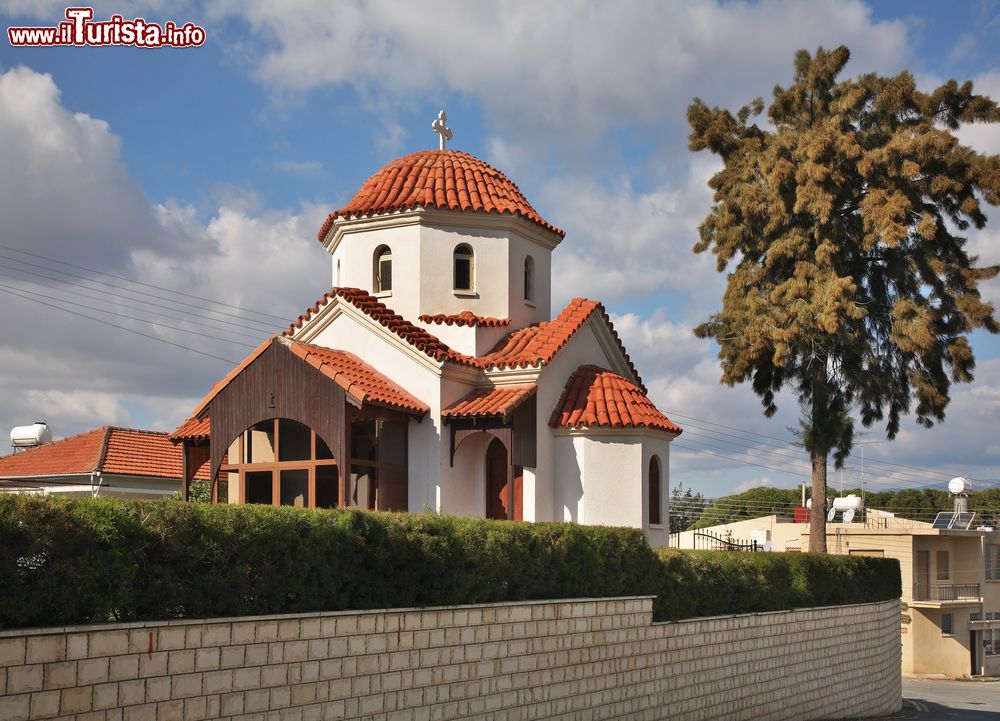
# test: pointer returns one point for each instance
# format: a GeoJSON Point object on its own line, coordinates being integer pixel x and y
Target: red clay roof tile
{"type": "Point", "coordinates": [498, 401]}
{"type": "Point", "coordinates": [360, 380]}
{"type": "Point", "coordinates": [465, 318]}
{"type": "Point", "coordinates": [598, 397]}
{"type": "Point", "coordinates": [440, 179]}
{"type": "Point", "coordinates": [120, 451]}
{"type": "Point", "coordinates": [416, 336]}
{"type": "Point", "coordinates": [193, 428]}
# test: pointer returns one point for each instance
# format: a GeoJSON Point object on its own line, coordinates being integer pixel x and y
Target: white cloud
{"type": "Point", "coordinates": [567, 72]}
{"type": "Point", "coordinates": [752, 483]}
{"type": "Point", "coordinates": [68, 196]}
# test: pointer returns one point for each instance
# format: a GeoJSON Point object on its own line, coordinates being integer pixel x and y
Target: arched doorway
{"type": "Point", "coordinates": [501, 478]}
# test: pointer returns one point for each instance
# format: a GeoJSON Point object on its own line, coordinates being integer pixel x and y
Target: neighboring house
{"type": "Point", "coordinates": [432, 375]}
{"type": "Point", "coordinates": [950, 622]}
{"type": "Point", "coordinates": [104, 462]}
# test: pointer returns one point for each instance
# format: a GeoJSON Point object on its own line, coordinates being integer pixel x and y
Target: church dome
{"type": "Point", "coordinates": [448, 179]}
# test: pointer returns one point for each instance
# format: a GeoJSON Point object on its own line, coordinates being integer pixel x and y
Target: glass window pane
{"type": "Point", "coordinates": [323, 451]}
{"type": "Point", "coordinates": [232, 487]}
{"type": "Point", "coordinates": [294, 441]}
{"type": "Point", "coordinates": [385, 273]}
{"type": "Point", "coordinates": [258, 487]}
{"type": "Point", "coordinates": [361, 489]}
{"type": "Point", "coordinates": [392, 492]}
{"type": "Point", "coordinates": [363, 440]}
{"type": "Point", "coordinates": [392, 443]}
{"type": "Point", "coordinates": [327, 486]}
{"type": "Point", "coordinates": [463, 272]}
{"type": "Point", "coordinates": [260, 443]}
{"type": "Point", "coordinates": [295, 488]}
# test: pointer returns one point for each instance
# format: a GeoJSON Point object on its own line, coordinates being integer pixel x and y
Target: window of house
{"type": "Point", "coordinates": [378, 478]}
{"type": "Point", "coordinates": [464, 268]}
{"type": "Point", "coordinates": [992, 554]}
{"type": "Point", "coordinates": [529, 278]}
{"type": "Point", "coordinates": [281, 462]}
{"type": "Point", "coordinates": [382, 280]}
{"type": "Point", "coordinates": [947, 624]}
{"type": "Point", "coordinates": [655, 493]}
{"type": "Point", "coordinates": [942, 566]}
{"type": "Point", "coordinates": [991, 642]}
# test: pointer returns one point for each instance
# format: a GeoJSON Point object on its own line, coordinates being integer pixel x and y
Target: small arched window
{"type": "Point", "coordinates": [382, 273]}
{"type": "Point", "coordinates": [529, 278]}
{"type": "Point", "coordinates": [464, 267]}
{"type": "Point", "coordinates": [655, 493]}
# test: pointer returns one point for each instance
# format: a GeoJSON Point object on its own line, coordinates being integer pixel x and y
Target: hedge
{"type": "Point", "coordinates": [78, 561]}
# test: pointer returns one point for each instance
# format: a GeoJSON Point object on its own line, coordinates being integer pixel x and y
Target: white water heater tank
{"type": "Point", "coordinates": [960, 485]}
{"type": "Point", "coordinates": [29, 436]}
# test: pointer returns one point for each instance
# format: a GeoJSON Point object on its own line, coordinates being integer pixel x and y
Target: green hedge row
{"type": "Point", "coordinates": [77, 561]}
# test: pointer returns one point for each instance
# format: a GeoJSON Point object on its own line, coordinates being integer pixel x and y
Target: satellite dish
{"type": "Point", "coordinates": [830, 514]}
{"type": "Point", "coordinates": [848, 515]}
{"type": "Point", "coordinates": [959, 485]}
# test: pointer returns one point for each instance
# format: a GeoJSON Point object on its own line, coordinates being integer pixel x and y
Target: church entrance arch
{"type": "Point", "coordinates": [281, 462]}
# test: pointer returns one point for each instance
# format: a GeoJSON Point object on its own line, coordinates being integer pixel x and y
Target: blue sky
{"type": "Point", "coordinates": [208, 170]}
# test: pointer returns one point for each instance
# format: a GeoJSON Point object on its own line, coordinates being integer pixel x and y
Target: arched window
{"type": "Point", "coordinates": [655, 493]}
{"type": "Point", "coordinates": [464, 268]}
{"type": "Point", "coordinates": [382, 273]}
{"type": "Point", "coordinates": [529, 278]}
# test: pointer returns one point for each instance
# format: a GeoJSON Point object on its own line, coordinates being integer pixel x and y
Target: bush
{"type": "Point", "coordinates": [77, 561]}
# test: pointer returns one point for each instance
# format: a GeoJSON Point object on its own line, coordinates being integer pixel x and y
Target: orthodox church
{"type": "Point", "coordinates": [433, 375]}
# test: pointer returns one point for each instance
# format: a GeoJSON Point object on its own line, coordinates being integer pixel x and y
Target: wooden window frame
{"type": "Point", "coordinates": [378, 464]}
{"type": "Point", "coordinates": [276, 466]}
{"type": "Point", "coordinates": [377, 284]}
{"type": "Point", "coordinates": [463, 251]}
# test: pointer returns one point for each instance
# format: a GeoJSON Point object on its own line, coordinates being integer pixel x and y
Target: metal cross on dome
{"type": "Point", "coordinates": [439, 127]}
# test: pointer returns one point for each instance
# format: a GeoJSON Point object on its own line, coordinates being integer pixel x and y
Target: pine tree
{"type": "Point", "coordinates": [844, 221]}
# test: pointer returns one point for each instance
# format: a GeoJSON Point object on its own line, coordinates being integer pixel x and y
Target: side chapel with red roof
{"type": "Point", "coordinates": [434, 375]}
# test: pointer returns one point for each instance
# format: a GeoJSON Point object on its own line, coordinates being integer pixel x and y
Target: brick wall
{"type": "Point", "coordinates": [592, 659]}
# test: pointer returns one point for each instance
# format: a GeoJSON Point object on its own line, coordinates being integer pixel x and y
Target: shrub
{"type": "Point", "coordinates": [77, 561]}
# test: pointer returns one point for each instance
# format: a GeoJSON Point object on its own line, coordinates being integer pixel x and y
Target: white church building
{"type": "Point", "coordinates": [434, 376]}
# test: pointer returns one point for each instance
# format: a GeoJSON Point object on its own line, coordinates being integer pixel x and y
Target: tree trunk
{"type": "Point", "coordinates": [817, 518]}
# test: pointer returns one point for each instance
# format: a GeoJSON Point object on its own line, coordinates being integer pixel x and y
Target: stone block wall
{"type": "Point", "coordinates": [580, 659]}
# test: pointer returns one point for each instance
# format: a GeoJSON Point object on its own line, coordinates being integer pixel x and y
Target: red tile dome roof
{"type": "Point", "coordinates": [448, 179]}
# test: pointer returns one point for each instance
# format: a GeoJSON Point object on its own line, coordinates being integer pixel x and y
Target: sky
{"type": "Point", "coordinates": [203, 173]}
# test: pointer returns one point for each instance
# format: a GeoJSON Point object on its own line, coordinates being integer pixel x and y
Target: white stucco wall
{"type": "Point", "coordinates": [423, 245]}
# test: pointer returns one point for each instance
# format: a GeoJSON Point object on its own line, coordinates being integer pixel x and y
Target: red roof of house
{"type": "Point", "coordinates": [465, 318]}
{"type": "Point", "coordinates": [538, 344]}
{"type": "Point", "coordinates": [121, 451]}
{"type": "Point", "coordinates": [597, 397]}
{"type": "Point", "coordinates": [497, 401]}
{"type": "Point", "coordinates": [447, 179]}
{"type": "Point", "coordinates": [191, 429]}
{"type": "Point", "coordinates": [361, 381]}
{"type": "Point", "coordinates": [416, 336]}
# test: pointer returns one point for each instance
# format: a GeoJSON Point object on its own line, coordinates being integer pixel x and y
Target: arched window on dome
{"type": "Point", "coordinates": [464, 268]}
{"type": "Point", "coordinates": [529, 278]}
{"type": "Point", "coordinates": [382, 271]}
{"type": "Point", "coordinates": [655, 494]}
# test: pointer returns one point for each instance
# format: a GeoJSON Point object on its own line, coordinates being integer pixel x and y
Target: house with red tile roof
{"type": "Point", "coordinates": [104, 462]}
{"type": "Point", "coordinates": [434, 374]}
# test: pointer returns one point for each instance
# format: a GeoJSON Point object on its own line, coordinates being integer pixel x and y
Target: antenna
{"type": "Point", "coordinates": [830, 514]}
{"type": "Point", "coordinates": [848, 515]}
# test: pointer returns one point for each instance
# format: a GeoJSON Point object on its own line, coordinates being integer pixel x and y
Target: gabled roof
{"type": "Point", "coordinates": [416, 336]}
{"type": "Point", "coordinates": [538, 344]}
{"type": "Point", "coordinates": [120, 451]}
{"type": "Point", "coordinates": [448, 179]}
{"type": "Point", "coordinates": [499, 401]}
{"type": "Point", "coordinates": [362, 382]}
{"type": "Point", "coordinates": [535, 345]}
{"type": "Point", "coordinates": [192, 429]}
{"type": "Point", "coordinates": [465, 318]}
{"type": "Point", "coordinates": [597, 397]}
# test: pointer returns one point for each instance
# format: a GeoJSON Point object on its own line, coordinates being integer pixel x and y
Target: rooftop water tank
{"type": "Point", "coordinates": [29, 436]}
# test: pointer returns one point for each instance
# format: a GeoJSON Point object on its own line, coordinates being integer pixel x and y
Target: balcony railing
{"type": "Point", "coordinates": [949, 592]}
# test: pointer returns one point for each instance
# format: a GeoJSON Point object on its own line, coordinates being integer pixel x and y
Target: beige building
{"type": "Point", "coordinates": [950, 620]}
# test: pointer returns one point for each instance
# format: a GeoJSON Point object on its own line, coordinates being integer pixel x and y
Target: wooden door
{"type": "Point", "coordinates": [496, 481]}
